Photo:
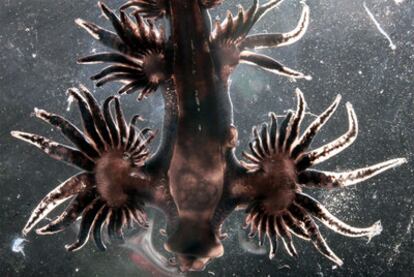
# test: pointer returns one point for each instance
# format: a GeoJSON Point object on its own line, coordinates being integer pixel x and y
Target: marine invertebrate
{"type": "Point", "coordinates": [279, 162]}
{"type": "Point", "coordinates": [110, 151]}
{"type": "Point", "coordinates": [194, 177]}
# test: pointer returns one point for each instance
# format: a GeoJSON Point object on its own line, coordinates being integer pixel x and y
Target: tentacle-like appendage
{"type": "Point", "coordinates": [129, 218]}
{"type": "Point", "coordinates": [88, 218]}
{"type": "Point", "coordinates": [318, 211]}
{"type": "Point", "coordinates": [284, 128]}
{"type": "Point", "coordinates": [265, 135]}
{"type": "Point", "coordinates": [132, 87]}
{"type": "Point", "coordinates": [333, 148]}
{"type": "Point", "coordinates": [115, 184]}
{"type": "Point", "coordinates": [131, 135]}
{"type": "Point", "coordinates": [295, 226]}
{"type": "Point", "coordinates": [272, 237]}
{"type": "Point", "coordinates": [63, 192]}
{"type": "Point", "coordinates": [255, 224]}
{"type": "Point", "coordinates": [117, 77]}
{"type": "Point", "coordinates": [122, 223]}
{"type": "Point", "coordinates": [261, 227]}
{"type": "Point", "coordinates": [110, 224]}
{"type": "Point", "coordinates": [88, 119]}
{"type": "Point", "coordinates": [265, 8]}
{"type": "Point", "coordinates": [258, 143]}
{"type": "Point", "coordinates": [294, 127]}
{"type": "Point", "coordinates": [117, 225]}
{"type": "Point", "coordinates": [306, 139]}
{"type": "Point", "coordinates": [271, 65]}
{"type": "Point", "coordinates": [279, 39]}
{"type": "Point", "coordinates": [234, 29]}
{"type": "Point", "coordinates": [70, 215]}
{"type": "Point", "coordinates": [255, 152]}
{"type": "Point", "coordinates": [286, 236]}
{"type": "Point", "coordinates": [97, 227]}
{"type": "Point", "coordinates": [148, 8]}
{"type": "Point", "coordinates": [268, 225]}
{"type": "Point", "coordinates": [107, 57]}
{"type": "Point", "coordinates": [250, 157]}
{"type": "Point", "coordinates": [109, 119]}
{"type": "Point", "coordinates": [265, 139]}
{"type": "Point", "coordinates": [56, 150]}
{"type": "Point", "coordinates": [70, 131]}
{"type": "Point", "coordinates": [116, 70]}
{"type": "Point", "coordinates": [273, 132]}
{"type": "Point", "coordinates": [115, 21]}
{"type": "Point", "coordinates": [278, 168]}
{"type": "Point", "coordinates": [138, 215]}
{"type": "Point", "coordinates": [121, 123]}
{"type": "Point", "coordinates": [318, 241]}
{"type": "Point", "coordinates": [230, 40]}
{"type": "Point", "coordinates": [140, 62]}
{"type": "Point", "coordinates": [106, 37]}
{"type": "Point", "coordinates": [97, 114]}
{"type": "Point", "coordinates": [140, 145]}
{"type": "Point", "coordinates": [329, 180]}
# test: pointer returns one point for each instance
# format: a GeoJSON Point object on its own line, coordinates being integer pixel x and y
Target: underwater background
{"type": "Point", "coordinates": [344, 52]}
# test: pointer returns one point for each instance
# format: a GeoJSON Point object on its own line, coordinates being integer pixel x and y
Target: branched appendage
{"type": "Point", "coordinates": [113, 186]}
{"type": "Point", "coordinates": [278, 168]}
{"type": "Point", "coordinates": [231, 39]}
{"type": "Point", "coordinates": [140, 61]}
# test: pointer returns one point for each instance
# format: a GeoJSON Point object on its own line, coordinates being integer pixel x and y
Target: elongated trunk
{"type": "Point", "coordinates": [205, 115]}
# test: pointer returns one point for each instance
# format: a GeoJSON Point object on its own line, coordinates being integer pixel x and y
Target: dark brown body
{"type": "Point", "coordinates": [194, 177]}
{"type": "Point", "coordinates": [198, 163]}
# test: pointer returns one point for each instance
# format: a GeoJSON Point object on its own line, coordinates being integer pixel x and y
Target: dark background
{"type": "Point", "coordinates": [343, 51]}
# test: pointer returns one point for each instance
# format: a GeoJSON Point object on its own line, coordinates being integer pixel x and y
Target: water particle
{"type": "Point", "coordinates": [18, 245]}
{"type": "Point", "coordinates": [399, 1]}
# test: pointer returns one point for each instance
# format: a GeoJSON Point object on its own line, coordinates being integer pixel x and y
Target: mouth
{"type": "Point", "coordinates": [194, 244]}
{"type": "Point", "coordinates": [191, 263]}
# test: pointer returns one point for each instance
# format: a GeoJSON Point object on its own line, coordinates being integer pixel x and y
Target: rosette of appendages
{"type": "Point", "coordinates": [113, 187]}
{"type": "Point", "coordinates": [231, 40]}
{"type": "Point", "coordinates": [278, 162]}
{"type": "Point", "coordinates": [140, 61]}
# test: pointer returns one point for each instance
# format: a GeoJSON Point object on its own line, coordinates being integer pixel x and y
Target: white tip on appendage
{"type": "Point", "coordinates": [376, 230]}
{"type": "Point", "coordinates": [402, 161]}
{"type": "Point", "coordinates": [70, 100]}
